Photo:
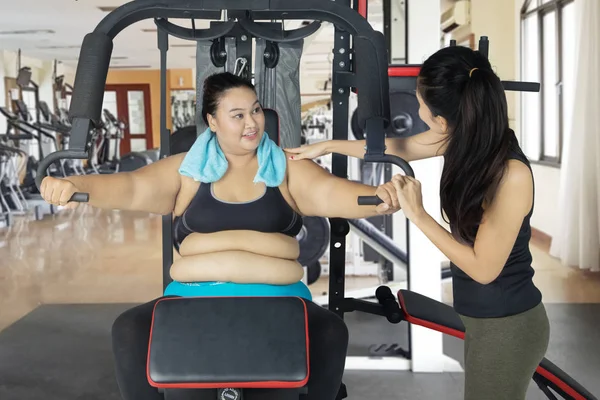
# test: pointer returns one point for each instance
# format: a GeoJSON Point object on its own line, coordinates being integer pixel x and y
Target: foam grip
{"type": "Point", "coordinates": [90, 79]}
{"type": "Point", "coordinates": [369, 201]}
{"type": "Point", "coordinates": [372, 79]}
{"type": "Point", "coordinates": [80, 197]}
{"type": "Point", "coordinates": [387, 300]}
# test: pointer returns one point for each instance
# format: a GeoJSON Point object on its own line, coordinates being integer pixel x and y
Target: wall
{"type": "Point", "coordinates": [425, 258]}
{"type": "Point", "coordinates": [176, 79]}
{"type": "Point", "coordinates": [41, 73]}
{"type": "Point", "coordinates": [181, 79]}
{"type": "Point", "coordinates": [151, 77]}
{"type": "Point", "coordinates": [495, 19]}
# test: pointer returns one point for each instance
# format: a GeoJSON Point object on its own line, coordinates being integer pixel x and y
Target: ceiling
{"type": "Point", "coordinates": [54, 29]}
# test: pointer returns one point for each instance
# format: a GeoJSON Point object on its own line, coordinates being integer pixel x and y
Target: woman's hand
{"type": "Point", "coordinates": [58, 192]}
{"type": "Point", "coordinates": [310, 151]}
{"type": "Point", "coordinates": [389, 194]}
{"type": "Point", "coordinates": [409, 196]}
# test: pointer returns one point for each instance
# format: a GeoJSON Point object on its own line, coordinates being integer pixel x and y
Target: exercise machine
{"type": "Point", "coordinates": [275, 329]}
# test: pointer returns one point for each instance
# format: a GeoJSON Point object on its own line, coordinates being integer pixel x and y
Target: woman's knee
{"type": "Point", "coordinates": [327, 329]}
{"type": "Point", "coordinates": [132, 325]}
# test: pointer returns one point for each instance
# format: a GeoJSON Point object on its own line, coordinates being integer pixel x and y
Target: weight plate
{"type": "Point", "coordinates": [271, 54]}
{"type": "Point", "coordinates": [218, 55]}
{"type": "Point", "coordinates": [313, 239]}
{"type": "Point", "coordinates": [404, 117]}
{"type": "Point", "coordinates": [313, 273]}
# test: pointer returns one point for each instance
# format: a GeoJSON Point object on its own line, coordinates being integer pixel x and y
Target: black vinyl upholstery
{"type": "Point", "coordinates": [272, 124]}
{"type": "Point", "coordinates": [229, 342]}
{"type": "Point", "coordinates": [419, 307]}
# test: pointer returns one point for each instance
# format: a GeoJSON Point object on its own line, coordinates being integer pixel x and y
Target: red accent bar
{"type": "Point", "coordinates": [362, 8]}
{"type": "Point", "coordinates": [410, 70]}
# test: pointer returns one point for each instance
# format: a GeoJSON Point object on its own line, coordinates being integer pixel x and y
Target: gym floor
{"type": "Point", "coordinates": [63, 280]}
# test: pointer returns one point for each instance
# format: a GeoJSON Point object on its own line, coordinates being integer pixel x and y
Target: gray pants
{"type": "Point", "coordinates": [501, 354]}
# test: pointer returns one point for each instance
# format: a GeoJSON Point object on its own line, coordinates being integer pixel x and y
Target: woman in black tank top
{"type": "Point", "coordinates": [487, 196]}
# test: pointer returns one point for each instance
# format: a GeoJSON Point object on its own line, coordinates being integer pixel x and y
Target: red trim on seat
{"type": "Point", "coordinates": [410, 70]}
{"type": "Point", "coordinates": [559, 382]}
{"type": "Point", "coordinates": [428, 324]}
{"type": "Point", "coordinates": [461, 335]}
{"type": "Point", "coordinates": [238, 385]}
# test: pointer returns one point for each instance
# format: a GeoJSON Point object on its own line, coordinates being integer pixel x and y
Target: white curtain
{"type": "Point", "coordinates": [577, 241]}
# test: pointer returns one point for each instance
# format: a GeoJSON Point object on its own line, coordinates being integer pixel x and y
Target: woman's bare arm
{"type": "Point", "coordinates": [152, 188]}
{"type": "Point", "coordinates": [423, 145]}
{"type": "Point", "coordinates": [316, 192]}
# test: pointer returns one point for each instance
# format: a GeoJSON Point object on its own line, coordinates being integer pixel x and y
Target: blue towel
{"type": "Point", "coordinates": [205, 162]}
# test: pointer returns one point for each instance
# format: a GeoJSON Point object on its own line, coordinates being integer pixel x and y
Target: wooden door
{"type": "Point", "coordinates": [131, 104]}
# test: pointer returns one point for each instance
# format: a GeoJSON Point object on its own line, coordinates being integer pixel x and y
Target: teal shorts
{"type": "Point", "coordinates": [229, 289]}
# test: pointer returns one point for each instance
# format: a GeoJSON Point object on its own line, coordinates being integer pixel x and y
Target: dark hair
{"type": "Point", "coordinates": [474, 104]}
{"type": "Point", "coordinates": [215, 87]}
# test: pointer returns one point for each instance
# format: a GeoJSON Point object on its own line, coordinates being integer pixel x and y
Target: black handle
{"type": "Point", "coordinates": [405, 166]}
{"type": "Point", "coordinates": [279, 36]}
{"type": "Point", "coordinates": [369, 200]}
{"type": "Point", "coordinates": [390, 306]}
{"type": "Point", "coordinates": [56, 156]}
{"type": "Point", "coordinates": [521, 86]}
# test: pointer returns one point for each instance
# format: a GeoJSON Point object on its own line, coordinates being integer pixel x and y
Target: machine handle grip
{"type": "Point", "coordinates": [369, 200]}
{"type": "Point", "coordinates": [390, 306]}
{"type": "Point", "coordinates": [405, 166]}
{"type": "Point", "coordinates": [56, 156]}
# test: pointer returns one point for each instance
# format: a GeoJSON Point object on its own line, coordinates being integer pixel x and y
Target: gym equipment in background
{"type": "Point", "coordinates": [183, 108]}
{"type": "Point", "coordinates": [115, 130]}
{"type": "Point", "coordinates": [370, 77]}
{"type": "Point", "coordinates": [18, 142]}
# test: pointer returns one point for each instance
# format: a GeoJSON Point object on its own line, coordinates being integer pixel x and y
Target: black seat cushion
{"type": "Point", "coordinates": [220, 342]}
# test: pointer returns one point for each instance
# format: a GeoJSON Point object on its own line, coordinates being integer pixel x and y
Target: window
{"type": "Point", "coordinates": [547, 56]}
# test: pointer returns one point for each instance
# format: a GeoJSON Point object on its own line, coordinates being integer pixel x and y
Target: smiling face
{"type": "Point", "coordinates": [239, 121]}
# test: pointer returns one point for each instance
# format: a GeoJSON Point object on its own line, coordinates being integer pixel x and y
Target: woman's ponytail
{"type": "Point", "coordinates": [459, 84]}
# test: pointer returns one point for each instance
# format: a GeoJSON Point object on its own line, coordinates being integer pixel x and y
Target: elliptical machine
{"type": "Point", "coordinates": [130, 161]}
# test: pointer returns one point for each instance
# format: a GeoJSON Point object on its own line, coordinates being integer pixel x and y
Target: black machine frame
{"type": "Point", "coordinates": [370, 79]}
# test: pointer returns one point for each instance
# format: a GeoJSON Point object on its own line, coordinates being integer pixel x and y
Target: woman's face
{"type": "Point", "coordinates": [239, 121]}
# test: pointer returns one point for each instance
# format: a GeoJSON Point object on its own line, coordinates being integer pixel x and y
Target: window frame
{"type": "Point", "coordinates": [541, 10]}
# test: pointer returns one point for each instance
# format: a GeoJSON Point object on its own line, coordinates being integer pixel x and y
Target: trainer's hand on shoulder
{"type": "Point", "coordinates": [388, 193]}
{"type": "Point", "coordinates": [58, 192]}
{"type": "Point", "coordinates": [309, 151]}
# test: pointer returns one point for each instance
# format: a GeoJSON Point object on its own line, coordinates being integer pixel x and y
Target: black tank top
{"type": "Point", "coordinates": [206, 214]}
{"type": "Point", "coordinates": [513, 291]}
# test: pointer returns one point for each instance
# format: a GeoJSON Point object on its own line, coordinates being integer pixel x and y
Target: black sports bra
{"type": "Point", "coordinates": [207, 214]}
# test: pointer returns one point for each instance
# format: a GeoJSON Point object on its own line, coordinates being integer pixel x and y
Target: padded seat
{"type": "Point", "coordinates": [229, 342]}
